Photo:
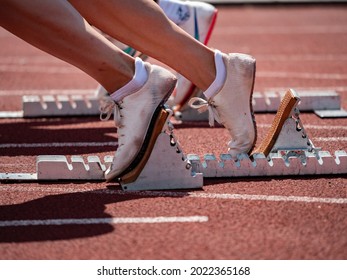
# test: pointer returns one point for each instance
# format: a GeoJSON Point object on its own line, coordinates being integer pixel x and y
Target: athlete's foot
{"type": "Point", "coordinates": [232, 105]}
{"type": "Point", "coordinates": [135, 117]}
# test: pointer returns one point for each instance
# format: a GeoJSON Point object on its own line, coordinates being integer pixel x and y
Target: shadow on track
{"type": "Point", "coordinates": [59, 130]}
{"type": "Point", "coordinates": [76, 205]}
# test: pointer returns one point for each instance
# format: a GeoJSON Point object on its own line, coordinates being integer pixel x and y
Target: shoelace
{"type": "Point", "coordinates": [203, 106]}
{"type": "Point", "coordinates": [107, 107]}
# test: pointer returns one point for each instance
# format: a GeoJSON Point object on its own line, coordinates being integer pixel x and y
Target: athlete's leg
{"type": "Point", "coordinates": [143, 25]}
{"type": "Point", "coordinates": [57, 28]}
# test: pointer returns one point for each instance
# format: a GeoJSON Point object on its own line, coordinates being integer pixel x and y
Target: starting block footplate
{"type": "Point", "coordinates": [167, 168]}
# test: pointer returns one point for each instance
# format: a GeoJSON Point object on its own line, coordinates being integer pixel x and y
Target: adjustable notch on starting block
{"type": "Point", "coordinates": [59, 105]}
{"type": "Point", "coordinates": [166, 168]}
{"type": "Point", "coordinates": [57, 167]}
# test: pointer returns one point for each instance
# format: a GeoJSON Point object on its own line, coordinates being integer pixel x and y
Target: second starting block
{"type": "Point", "coordinates": [323, 103]}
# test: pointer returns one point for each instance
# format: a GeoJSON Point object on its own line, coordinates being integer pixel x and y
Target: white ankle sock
{"type": "Point", "coordinates": [175, 10]}
{"type": "Point", "coordinates": [139, 79]}
{"type": "Point", "coordinates": [220, 76]}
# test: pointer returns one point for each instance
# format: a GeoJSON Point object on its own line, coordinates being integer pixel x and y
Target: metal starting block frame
{"type": "Point", "coordinates": [167, 167]}
{"type": "Point", "coordinates": [301, 163]}
{"type": "Point", "coordinates": [293, 153]}
{"type": "Point", "coordinates": [323, 103]}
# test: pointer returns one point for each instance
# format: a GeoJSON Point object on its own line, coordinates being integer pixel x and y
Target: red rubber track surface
{"type": "Point", "coordinates": [295, 46]}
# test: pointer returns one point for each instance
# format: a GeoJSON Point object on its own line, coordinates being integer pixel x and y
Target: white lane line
{"type": "Point", "coordinates": [11, 114]}
{"type": "Point", "coordinates": [330, 139]}
{"type": "Point", "coordinates": [274, 198]}
{"type": "Point", "coordinates": [326, 127]}
{"type": "Point", "coordinates": [58, 144]}
{"type": "Point", "coordinates": [91, 221]}
{"type": "Point", "coordinates": [230, 196]}
{"type": "Point", "coordinates": [312, 126]}
{"type": "Point", "coordinates": [47, 92]}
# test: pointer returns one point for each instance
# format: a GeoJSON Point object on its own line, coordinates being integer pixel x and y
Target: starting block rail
{"type": "Point", "coordinates": [56, 168]}
{"type": "Point", "coordinates": [286, 151]}
{"type": "Point", "coordinates": [299, 163]}
{"type": "Point", "coordinates": [59, 105]}
{"type": "Point", "coordinates": [53, 167]}
{"type": "Point", "coordinates": [323, 103]}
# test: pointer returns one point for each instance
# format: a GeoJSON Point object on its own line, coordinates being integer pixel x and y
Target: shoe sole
{"type": "Point", "coordinates": [193, 90]}
{"type": "Point", "coordinates": [158, 127]}
{"type": "Point", "coordinates": [148, 136]}
{"type": "Point", "coordinates": [287, 104]}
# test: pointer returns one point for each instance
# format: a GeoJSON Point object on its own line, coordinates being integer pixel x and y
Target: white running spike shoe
{"type": "Point", "coordinates": [232, 105]}
{"type": "Point", "coordinates": [135, 117]}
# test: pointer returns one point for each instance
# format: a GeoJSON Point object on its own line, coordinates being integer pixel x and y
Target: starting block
{"type": "Point", "coordinates": [285, 151]}
{"type": "Point", "coordinates": [166, 167]}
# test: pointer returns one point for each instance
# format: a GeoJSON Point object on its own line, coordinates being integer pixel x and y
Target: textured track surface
{"type": "Point", "coordinates": [256, 218]}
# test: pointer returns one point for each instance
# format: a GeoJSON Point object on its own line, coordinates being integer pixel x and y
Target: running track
{"type": "Point", "coordinates": [258, 218]}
